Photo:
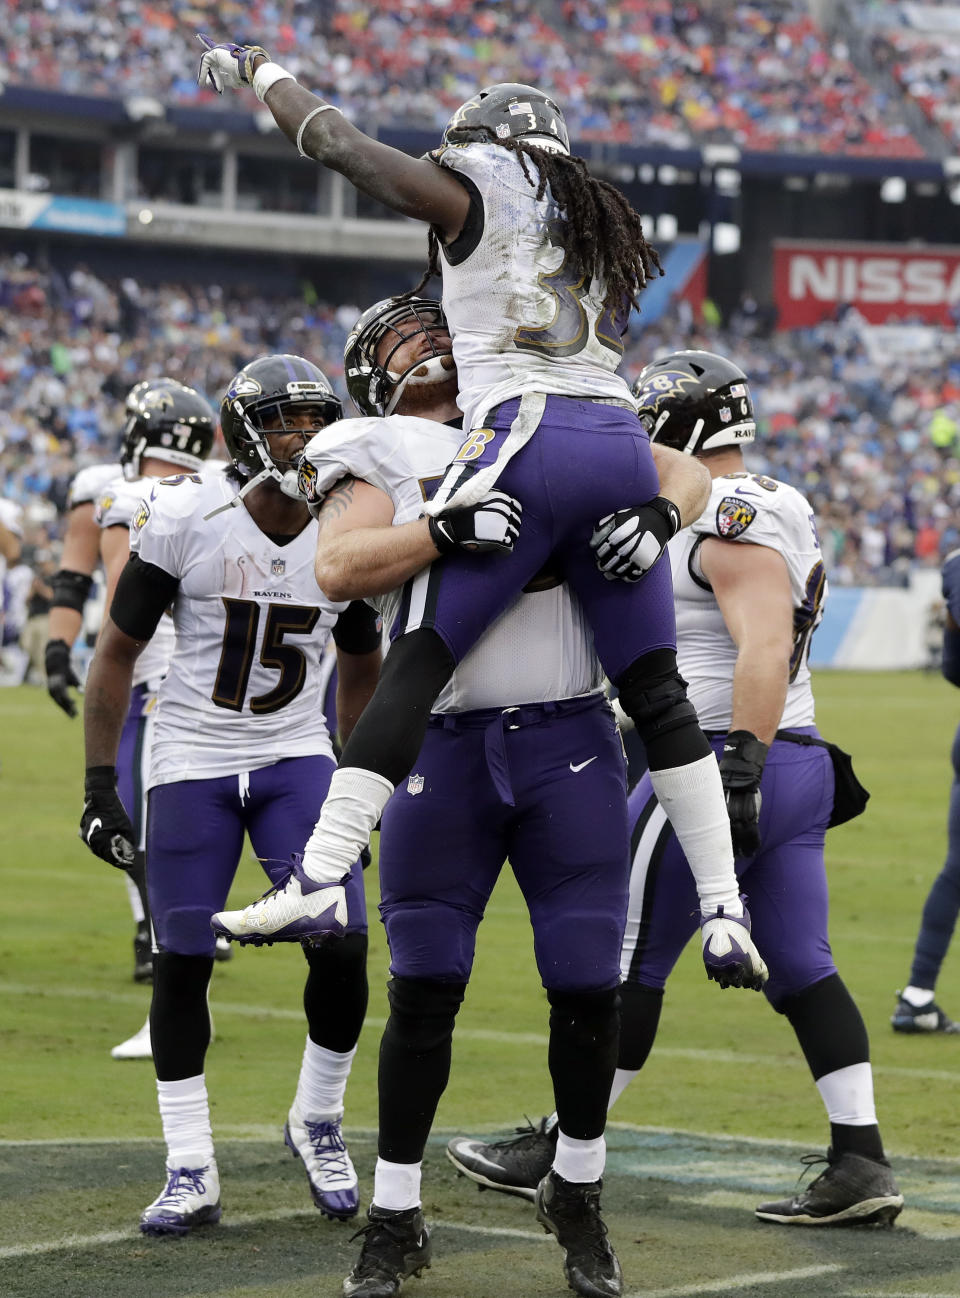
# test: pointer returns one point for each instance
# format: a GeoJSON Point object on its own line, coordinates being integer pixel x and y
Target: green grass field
{"type": "Point", "coordinates": [720, 1117]}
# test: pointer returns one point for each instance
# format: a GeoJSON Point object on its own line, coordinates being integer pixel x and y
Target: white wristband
{"type": "Point", "coordinates": [267, 75]}
{"type": "Point", "coordinates": [321, 108]}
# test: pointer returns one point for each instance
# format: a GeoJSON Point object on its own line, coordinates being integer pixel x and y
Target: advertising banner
{"type": "Point", "coordinates": [887, 283]}
{"type": "Point", "coordinates": [52, 212]}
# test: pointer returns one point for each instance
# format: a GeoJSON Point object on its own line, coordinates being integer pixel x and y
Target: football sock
{"type": "Point", "coordinates": [396, 1185]}
{"type": "Point", "coordinates": [692, 796]}
{"type": "Point", "coordinates": [353, 805]}
{"type": "Point", "coordinates": [847, 1095]}
{"type": "Point", "coordinates": [322, 1082]}
{"type": "Point", "coordinates": [581, 1161]}
{"type": "Point", "coordinates": [582, 1055]}
{"type": "Point", "coordinates": [185, 1115]}
{"type": "Point", "coordinates": [640, 1008]}
{"type": "Point", "coordinates": [621, 1080]}
{"type": "Point", "coordinates": [336, 991]}
{"type": "Point", "coordinates": [918, 997]}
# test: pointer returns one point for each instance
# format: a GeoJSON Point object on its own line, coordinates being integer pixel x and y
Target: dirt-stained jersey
{"type": "Point", "coordinates": [244, 686]}
{"type": "Point", "coordinates": [87, 485]}
{"type": "Point", "coordinates": [116, 506]}
{"type": "Point", "coordinates": [520, 318]}
{"type": "Point", "coordinates": [748, 509]}
{"type": "Point", "coordinates": [540, 648]}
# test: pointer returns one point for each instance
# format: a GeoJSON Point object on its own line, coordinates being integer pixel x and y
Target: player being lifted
{"type": "Point", "coordinates": [240, 745]}
{"type": "Point", "coordinates": [541, 266]}
{"type": "Point", "coordinates": [750, 590]}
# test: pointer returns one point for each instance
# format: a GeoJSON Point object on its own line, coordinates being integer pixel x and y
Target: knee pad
{"type": "Point", "coordinates": [423, 1011]}
{"type": "Point", "coordinates": [654, 696]}
{"type": "Point", "coordinates": [185, 931]}
{"type": "Point", "coordinates": [586, 1016]}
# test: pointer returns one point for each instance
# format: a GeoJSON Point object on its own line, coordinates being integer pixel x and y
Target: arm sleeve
{"type": "Point", "coordinates": [358, 629]}
{"type": "Point", "coordinates": [144, 593]}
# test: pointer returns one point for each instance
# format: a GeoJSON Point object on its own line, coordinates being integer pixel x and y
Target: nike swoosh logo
{"type": "Point", "coordinates": [94, 826]}
{"type": "Point", "coordinates": [580, 765]}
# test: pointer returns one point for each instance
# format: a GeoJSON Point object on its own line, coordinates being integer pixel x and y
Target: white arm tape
{"type": "Point", "coordinates": [267, 75]}
{"type": "Point", "coordinates": [321, 108]}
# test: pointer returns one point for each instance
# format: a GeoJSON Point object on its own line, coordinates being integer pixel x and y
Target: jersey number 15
{"type": "Point", "coordinates": [239, 642]}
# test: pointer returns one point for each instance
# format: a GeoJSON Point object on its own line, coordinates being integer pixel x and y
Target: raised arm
{"type": "Point", "coordinates": [414, 186]}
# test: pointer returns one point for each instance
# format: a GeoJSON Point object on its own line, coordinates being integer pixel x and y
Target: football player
{"type": "Point", "coordinates": [533, 739]}
{"type": "Point", "coordinates": [169, 428]}
{"type": "Point", "coordinates": [542, 264]}
{"type": "Point", "coordinates": [240, 745]}
{"type": "Point", "coordinates": [750, 589]}
{"type": "Point", "coordinates": [916, 1010]}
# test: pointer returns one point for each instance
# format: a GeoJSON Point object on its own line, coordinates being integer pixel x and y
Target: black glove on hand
{"type": "Point", "coordinates": [104, 826]}
{"type": "Point", "coordinates": [741, 767]}
{"type": "Point", "coordinates": [491, 524]}
{"type": "Point", "coordinates": [60, 675]}
{"type": "Point", "coordinates": [628, 543]}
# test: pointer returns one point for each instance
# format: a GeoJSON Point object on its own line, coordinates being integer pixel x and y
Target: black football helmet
{"type": "Point", "coordinates": [166, 420]}
{"type": "Point", "coordinates": [695, 401]}
{"type": "Point", "coordinates": [373, 386]}
{"type": "Point", "coordinates": [272, 385]}
{"type": "Point", "coordinates": [509, 110]}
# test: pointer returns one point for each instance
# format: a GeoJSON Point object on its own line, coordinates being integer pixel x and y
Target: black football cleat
{"type": "Point", "coordinates": [513, 1166]}
{"type": "Point", "coordinates": [851, 1191]}
{"type": "Point", "coordinates": [571, 1211]}
{"type": "Point", "coordinates": [396, 1245]}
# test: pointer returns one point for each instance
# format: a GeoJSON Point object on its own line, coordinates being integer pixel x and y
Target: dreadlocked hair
{"type": "Point", "coordinates": [601, 234]}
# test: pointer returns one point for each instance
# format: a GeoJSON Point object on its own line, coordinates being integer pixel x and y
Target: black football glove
{"type": "Point", "coordinates": [104, 826]}
{"type": "Point", "coordinates": [492, 524]}
{"type": "Point", "coordinates": [741, 768]}
{"type": "Point", "coordinates": [628, 543]}
{"type": "Point", "coordinates": [60, 675]}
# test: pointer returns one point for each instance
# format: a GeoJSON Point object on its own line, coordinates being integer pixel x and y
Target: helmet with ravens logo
{"type": "Point", "coordinates": [374, 387]}
{"type": "Point", "coordinates": [695, 401]}
{"type": "Point", "coordinates": [168, 421]}
{"type": "Point", "coordinates": [509, 110]}
{"type": "Point", "coordinates": [273, 388]}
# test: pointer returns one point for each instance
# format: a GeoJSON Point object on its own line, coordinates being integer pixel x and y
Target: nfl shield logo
{"type": "Point", "coordinates": [415, 785]}
{"type": "Point", "coordinates": [725, 415]}
{"type": "Point", "coordinates": [278, 567]}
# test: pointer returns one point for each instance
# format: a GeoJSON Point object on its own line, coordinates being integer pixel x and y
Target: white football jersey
{"type": "Point", "coordinates": [244, 686]}
{"type": "Point", "coordinates": [748, 509]}
{"type": "Point", "coordinates": [116, 506]}
{"type": "Point", "coordinates": [87, 485]}
{"type": "Point", "coordinates": [540, 648]}
{"type": "Point", "coordinates": [519, 318]}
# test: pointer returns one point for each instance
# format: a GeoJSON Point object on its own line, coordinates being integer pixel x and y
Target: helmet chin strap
{"type": "Point", "coordinates": [268, 471]}
{"type": "Point", "coordinates": [429, 371]}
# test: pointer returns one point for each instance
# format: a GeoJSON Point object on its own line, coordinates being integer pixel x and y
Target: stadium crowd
{"type": "Point", "coordinates": [874, 445]}
{"type": "Point", "coordinates": [760, 74]}
{"type": "Point", "coordinates": [921, 47]}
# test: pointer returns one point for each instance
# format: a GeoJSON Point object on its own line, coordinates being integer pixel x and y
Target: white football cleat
{"type": "Point", "coordinates": [190, 1198]}
{"type": "Point", "coordinates": [330, 1172]}
{"type": "Point", "coordinates": [729, 955]}
{"type": "Point", "coordinates": [296, 910]}
{"type": "Point", "coordinates": [135, 1047]}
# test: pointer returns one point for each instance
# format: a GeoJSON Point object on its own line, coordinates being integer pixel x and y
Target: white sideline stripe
{"type": "Point", "coordinates": [248, 1011]}
{"type": "Point", "coordinates": [243, 1219]}
{"type": "Point", "coordinates": [735, 1283]}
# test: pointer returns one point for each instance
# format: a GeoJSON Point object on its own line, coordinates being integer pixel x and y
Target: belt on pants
{"type": "Point", "coordinates": [494, 722]}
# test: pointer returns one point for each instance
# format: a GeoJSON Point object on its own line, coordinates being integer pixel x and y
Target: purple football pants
{"type": "Point", "coordinates": [195, 832]}
{"type": "Point", "coordinates": [585, 460]}
{"type": "Point", "coordinates": [542, 784]}
{"type": "Point", "coordinates": [785, 883]}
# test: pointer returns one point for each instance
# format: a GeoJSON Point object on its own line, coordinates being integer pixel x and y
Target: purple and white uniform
{"type": "Point", "coordinates": [241, 743]}
{"type": "Point", "coordinates": [548, 418]}
{"type": "Point", "coordinates": [786, 881]}
{"type": "Point", "coordinates": [521, 759]}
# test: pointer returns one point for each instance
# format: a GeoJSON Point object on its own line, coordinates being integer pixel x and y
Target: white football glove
{"type": "Point", "coordinates": [729, 955]}
{"type": "Point", "coordinates": [227, 66]}
{"type": "Point", "coordinates": [628, 543]}
{"type": "Point", "coordinates": [492, 524]}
